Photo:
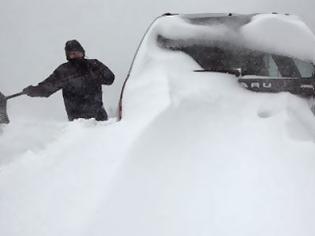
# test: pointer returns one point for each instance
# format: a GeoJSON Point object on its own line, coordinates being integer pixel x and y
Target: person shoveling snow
{"type": "Point", "coordinates": [81, 82]}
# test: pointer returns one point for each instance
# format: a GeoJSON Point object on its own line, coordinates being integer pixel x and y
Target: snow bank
{"type": "Point", "coordinates": [23, 135]}
{"type": "Point", "coordinates": [56, 190]}
{"type": "Point", "coordinates": [224, 166]}
{"type": "Point", "coordinates": [218, 160]}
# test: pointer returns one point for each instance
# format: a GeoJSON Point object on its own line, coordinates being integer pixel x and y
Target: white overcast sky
{"type": "Point", "coordinates": [33, 34]}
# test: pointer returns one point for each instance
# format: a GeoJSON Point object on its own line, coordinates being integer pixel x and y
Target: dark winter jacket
{"type": "Point", "coordinates": [80, 81]}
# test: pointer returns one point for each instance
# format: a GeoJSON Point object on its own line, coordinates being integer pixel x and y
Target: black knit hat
{"type": "Point", "coordinates": [74, 45]}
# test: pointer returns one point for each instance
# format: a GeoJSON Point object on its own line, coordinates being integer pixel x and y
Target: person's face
{"type": "Point", "coordinates": [75, 55]}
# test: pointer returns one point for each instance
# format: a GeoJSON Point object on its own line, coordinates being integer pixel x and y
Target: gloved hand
{"type": "Point", "coordinates": [30, 91]}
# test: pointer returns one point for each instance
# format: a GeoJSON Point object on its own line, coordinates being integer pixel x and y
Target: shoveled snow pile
{"type": "Point", "coordinates": [195, 154]}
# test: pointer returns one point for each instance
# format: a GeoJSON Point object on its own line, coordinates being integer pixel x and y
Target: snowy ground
{"type": "Point", "coordinates": [57, 182]}
{"type": "Point", "coordinates": [228, 167]}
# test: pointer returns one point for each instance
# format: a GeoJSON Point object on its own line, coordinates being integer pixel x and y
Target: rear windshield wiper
{"type": "Point", "coordinates": [237, 71]}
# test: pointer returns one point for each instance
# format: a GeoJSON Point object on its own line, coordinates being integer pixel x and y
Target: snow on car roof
{"type": "Point", "coordinates": [273, 33]}
{"type": "Point", "coordinates": [280, 34]}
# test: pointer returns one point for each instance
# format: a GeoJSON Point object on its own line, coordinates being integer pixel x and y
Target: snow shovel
{"type": "Point", "coordinates": [4, 119]}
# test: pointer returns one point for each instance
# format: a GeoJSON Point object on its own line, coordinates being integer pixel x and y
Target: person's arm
{"type": "Point", "coordinates": [102, 72]}
{"type": "Point", "coordinates": [46, 88]}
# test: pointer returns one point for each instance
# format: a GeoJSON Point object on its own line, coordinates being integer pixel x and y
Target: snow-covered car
{"type": "Point", "coordinates": [210, 157]}
{"type": "Point", "coordinates": [268, 53]}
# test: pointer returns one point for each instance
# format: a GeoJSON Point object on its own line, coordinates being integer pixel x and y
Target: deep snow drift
{"type": "Point", "coordinates": [195, 154]}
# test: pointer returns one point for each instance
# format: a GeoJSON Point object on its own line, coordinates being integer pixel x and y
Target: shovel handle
{"type": "Point", "coordinates": [14, 95]}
